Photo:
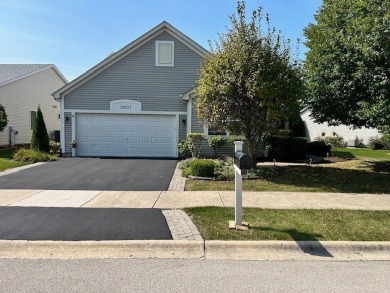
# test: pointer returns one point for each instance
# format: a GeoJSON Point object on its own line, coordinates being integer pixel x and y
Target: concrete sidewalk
{"type": "Point", "coordinates": [198, 248]}
{"type": "Point", "coordinates": [182, 199]}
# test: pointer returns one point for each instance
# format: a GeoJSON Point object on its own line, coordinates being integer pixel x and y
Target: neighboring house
{"type": "Point", "coordinates": [24, 87]}
{"type": "Point", "coordinates": [351, 136]}
{"type": "Point", "coordinates": [138, 102]}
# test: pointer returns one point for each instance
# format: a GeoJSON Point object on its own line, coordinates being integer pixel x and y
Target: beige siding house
{"type": "Point", "coordinates": [351, 136]}
{"type": "Point", "coordinates": [22, 88]}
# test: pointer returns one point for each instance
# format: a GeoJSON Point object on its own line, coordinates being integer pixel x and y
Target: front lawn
{"type": "Point", "coordinates": [298, 225]}
{"type": "Point", "coordinates": [355, 176]}
{"type": "Point", "coordinates": [353, 153]}
{"type": "Point", "coordinates": [6, 161]}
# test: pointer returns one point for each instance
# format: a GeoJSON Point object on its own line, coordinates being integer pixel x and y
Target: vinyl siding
{"type": "Point", "coordinates": [206, 150]}
{"type": "Point", "coordinates": [136, 77]}
{"type": "Point", "coordinates": [314, 130]}
{"type": "Point", "coordinates": [68, 133]}
{"type": "Point", "coordinates": [182, 128]}
{"type": "Point", "coordinates": [24, 95]}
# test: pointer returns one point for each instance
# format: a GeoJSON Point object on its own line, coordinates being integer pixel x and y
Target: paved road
{"type": "Point", "coordinates": [94, 174]}
{"type": "Point", "coordinates": [39, 223]}
{"type": "Point", "coordinates": [159, 275]}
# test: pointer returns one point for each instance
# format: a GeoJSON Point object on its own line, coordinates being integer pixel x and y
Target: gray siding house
{"type": "Point", "coordinates": [24, 87]}
{"type": "Point", "coordinates": [138, 102]}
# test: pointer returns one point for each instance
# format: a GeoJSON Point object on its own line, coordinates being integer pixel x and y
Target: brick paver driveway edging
{"type": "Point", "coordinates": [178, 182]}
{"type": "Point", "coordinates": [181, 226]}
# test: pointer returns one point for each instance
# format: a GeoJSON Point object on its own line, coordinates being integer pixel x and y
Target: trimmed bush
{"type": "Point", "coordinates": [28, 155]}
{"type": "Point", "coordinates": [216, 142]}
{"type": "Point", "coordinates": [40, 138]}
{"type": "Point", "coordinates": [318, 148]}
{"type": "Point", "coordinates": [287, 148]}
{"type": "Point", "coordinates": [202, 168]}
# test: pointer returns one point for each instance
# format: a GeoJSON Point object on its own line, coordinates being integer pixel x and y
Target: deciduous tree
{"type": "Point", "coordinates": [348, 63]}
{"type": "Point", "coordinates": [251, 80]}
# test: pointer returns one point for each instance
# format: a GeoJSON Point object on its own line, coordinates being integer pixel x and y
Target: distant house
{"type": "Point", "coordinates": [22, 88]}
{"type": "Point", "coordinates": [351, 136]}
{"type": "Point", "coordinates": [139, 101]}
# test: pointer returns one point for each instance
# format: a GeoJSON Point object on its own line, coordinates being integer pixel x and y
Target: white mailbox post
{"type": "Point", "coordinates": [242, 162]}
{"type": "Point", "coordinates": [238, 187]}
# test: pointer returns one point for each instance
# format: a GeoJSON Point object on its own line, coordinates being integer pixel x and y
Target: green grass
{"type": "Point", "coordinates": [298, 225]}
{"type": "Point", "coordinates": [355, 176]}
{"type": "Point", "coordinates": [6, 161]}
{"type": "Point", "coordinates": [352, 153]}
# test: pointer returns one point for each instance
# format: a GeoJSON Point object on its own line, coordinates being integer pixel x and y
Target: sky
{"type": "Point", "coordinates": [75, 35]}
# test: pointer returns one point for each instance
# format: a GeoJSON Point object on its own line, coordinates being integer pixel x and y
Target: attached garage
{"type": "Point", "coordinates": [126, 135]}
{"type": "Point", "coordinates": [135, 103]}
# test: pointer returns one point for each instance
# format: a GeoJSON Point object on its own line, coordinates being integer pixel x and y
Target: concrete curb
{"type": "Point", "coordinates": [101, 249]}
{"type": "Point", "coordinates": [188, 249]}
{"type": "Point", "coordinates": [300, 250]}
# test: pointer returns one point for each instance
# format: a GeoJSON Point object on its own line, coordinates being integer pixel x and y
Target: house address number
{"type": "Point", "coordinates": [125, 106]}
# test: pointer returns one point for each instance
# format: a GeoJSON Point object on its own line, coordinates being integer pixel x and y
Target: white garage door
{"type": "Point", "coordinates": [130, 135]}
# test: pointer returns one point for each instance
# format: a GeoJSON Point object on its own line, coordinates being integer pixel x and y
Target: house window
{"type": "Point", "coordinates": [33, 114]}
{"type": "Point", "coordinates": [212, 130]}
{"type": "Point", "coordinates": [165, 53]}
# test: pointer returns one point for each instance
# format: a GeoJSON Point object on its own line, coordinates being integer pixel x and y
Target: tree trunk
{"type": "Point", "coordinates": [251, 151]}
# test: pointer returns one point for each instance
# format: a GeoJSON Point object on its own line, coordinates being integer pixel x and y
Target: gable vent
{"type": "Point", "coordinates": [164, 53]}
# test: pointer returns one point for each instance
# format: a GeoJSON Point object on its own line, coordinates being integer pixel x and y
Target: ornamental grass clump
{"type": "Point", "coordinates": [33, 156]}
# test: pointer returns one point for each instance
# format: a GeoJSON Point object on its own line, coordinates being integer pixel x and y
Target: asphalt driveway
{"type": "Point", "coordinates": [74, 224]}
{"type": "Point", "coordinates": [94, 174]}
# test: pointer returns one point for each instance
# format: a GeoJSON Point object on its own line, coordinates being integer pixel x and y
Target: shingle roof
{"type": "Point", "coordinates": [9, 72]}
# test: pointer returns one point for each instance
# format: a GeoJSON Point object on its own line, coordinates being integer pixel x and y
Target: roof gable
{"type": "Point", "coordinates": [128, 49]}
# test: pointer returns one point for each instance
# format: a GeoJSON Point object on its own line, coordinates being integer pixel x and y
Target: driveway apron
{"type": "Point", "coordinates": [74, 224]}
{"type": "Point", "coordinates": [95, 174]}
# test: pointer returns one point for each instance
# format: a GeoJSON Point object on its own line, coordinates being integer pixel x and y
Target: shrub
{"type": "Point", "coordinates": [194, 140]}
{"type": "Point", "coordinates": [216, 142]}
{"type": "Point", "coordinates": [202, 168]}
{"type": "Point", "coordinates": [335, 141]}
{"type": "Point", "coordinates": [375, 143]}
{"type": "Point", "coordinates": [318, 148]}
{"type": "Point", "coordinates": [33, 156]}
{"type": "Point", "coordinates": [3, 118]}
{"type": "Point", "coordinates": [40, 138]}
{"type": "Point", "coordinates": [224, 169]}
{"type": "Point", "coordinates": [185, 148]}
{"type": "Point", "coordinates": [385, 139]}
{"type": "Point", "coordinates": [233, 138]}
{"type": "Point", "coordinates": [287, 148]}
{"type": "Point", "coordinates": [54, 147]}
{"type": "Point", "coordinates": [184, 164]}
{"type": "Point", "coordinates": [297, 127]}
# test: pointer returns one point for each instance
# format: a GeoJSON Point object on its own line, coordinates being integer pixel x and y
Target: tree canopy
{"type": "Point", "coordinates": [347, 66]}
{"type": "Point", "coordinates": [3, 118]}
{"type": "Point", "coordinates": [251, 81]}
